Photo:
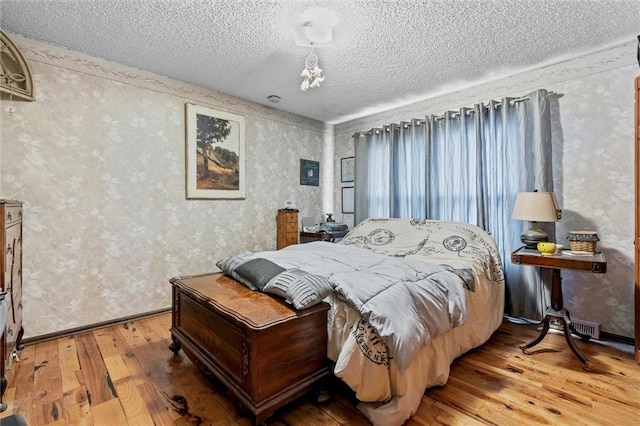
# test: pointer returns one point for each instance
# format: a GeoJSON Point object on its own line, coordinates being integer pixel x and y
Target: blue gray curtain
{"type": "Point", "coordinates": [467, 165]}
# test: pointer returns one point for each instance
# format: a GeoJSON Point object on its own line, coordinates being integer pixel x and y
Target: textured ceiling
{"type": "Point", "coordinates": [384, 54]}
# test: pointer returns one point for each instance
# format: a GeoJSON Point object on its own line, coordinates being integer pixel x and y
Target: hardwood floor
{"type": "Point", "coordinates": [126, 375]}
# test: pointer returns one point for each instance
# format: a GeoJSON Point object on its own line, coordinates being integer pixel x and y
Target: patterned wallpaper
{"type": "Point", "coordinates": [98, 160]}
{"type": "Point", "coordinates": [594, 167]}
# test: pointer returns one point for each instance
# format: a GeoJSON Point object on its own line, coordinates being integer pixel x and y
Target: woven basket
{"type": "Point", "coordinates": [583, 241]}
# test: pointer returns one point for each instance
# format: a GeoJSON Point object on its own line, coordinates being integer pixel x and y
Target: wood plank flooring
{"type": "Point", "coordinates": [126, 375]}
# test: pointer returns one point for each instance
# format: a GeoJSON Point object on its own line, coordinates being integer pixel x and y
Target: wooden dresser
{"type": "Point", "coordinates": [637, 221]}
{"type": "Point", "coordinates": [11, 282]}
{"type": "Point", "coordinates": [287, 228]}
{"type": "Point", "coordinates": [263, 351]}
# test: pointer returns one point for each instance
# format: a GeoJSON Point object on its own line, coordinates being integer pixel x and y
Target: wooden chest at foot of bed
{"type": "Point", "coordinates": [264, 352]}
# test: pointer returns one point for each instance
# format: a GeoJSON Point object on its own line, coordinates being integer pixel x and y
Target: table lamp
{"type": "Point", "coordinates": [535, 207]}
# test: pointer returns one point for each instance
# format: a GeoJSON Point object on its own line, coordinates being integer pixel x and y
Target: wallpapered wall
{"type": "Point", "coordinates": [594, 166]}
{"type": "Point", "coordinates": [98, 161]}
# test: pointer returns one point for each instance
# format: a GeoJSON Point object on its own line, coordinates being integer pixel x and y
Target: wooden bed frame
{"type": "Point", "coordinates": [264, 352]}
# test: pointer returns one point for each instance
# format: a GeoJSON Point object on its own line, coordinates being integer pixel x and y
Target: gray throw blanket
{"type": "Point", "coordinates": [409, 302]}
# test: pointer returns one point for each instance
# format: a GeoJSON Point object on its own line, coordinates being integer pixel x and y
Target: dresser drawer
{"type": "Point", "coordinates": [291, 218]}
{"type": "Point", "coordinates": [13, 329]}
{"type": "Point", "coordinates": [292, 227]}
{"type": "Point", "coordinates": [292, 238]}
{"type": "Point", "coordinates": [12, 214]}
{"type": "Point", "coordinates": [12, 254]}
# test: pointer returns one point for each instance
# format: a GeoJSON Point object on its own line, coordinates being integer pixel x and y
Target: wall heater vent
{"type": "Point", "coordinates": [587, 327]}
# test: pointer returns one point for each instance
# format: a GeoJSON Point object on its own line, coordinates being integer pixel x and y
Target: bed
{"type": "Point", "coordinates": [446, 278]}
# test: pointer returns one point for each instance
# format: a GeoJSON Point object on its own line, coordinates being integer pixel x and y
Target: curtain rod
{"type": "Point", "coordinates": [420, 121]}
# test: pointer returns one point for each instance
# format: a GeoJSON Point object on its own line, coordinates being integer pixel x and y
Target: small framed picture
{"type": "Point", "coordinates": [309, 172]}
{"type": "Point", "coordinates": [348, 195]}
{"type": "Point", "coordinates": [347, 169]}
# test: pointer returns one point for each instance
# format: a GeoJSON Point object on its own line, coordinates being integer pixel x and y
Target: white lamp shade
{"type": "Point", "coordinates": [536, 207]}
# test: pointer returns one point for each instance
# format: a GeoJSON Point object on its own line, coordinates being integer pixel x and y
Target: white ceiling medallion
{"type": "Point", "coordinates": [310, 34]}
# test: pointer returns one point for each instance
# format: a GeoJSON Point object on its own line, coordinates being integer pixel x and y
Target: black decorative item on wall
{"type": "Point", "coordinates": [309, 172]}
{"type": "Point", "coordinates": [638, 50]}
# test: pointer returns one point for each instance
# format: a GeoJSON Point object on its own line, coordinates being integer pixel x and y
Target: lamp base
{"type": "Point", "coordinates": [531, 237]}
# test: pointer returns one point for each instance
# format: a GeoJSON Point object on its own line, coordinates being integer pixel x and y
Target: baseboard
{"type": "Point", "coordinates": [603, 334]}
{"type": "Point", "coordinates": [91, 327]}
{"type": "Point", "coordinates": [617, 338]}
{"type": "Point", "coordinates": [70, 332]}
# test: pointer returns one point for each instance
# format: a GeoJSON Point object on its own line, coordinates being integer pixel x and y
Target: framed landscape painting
{"type": "Point", "coordinates": [215, 154]}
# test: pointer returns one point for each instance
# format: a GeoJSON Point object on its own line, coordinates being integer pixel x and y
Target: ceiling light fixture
{"type": "Point", "coordinates": [316, 31]}
{"type": "Point", "coordinates": [312, 73]}
{"type": "Point", "coordinates": [313, 35]}
{"type": "Point", "coordinates": [273, 98]}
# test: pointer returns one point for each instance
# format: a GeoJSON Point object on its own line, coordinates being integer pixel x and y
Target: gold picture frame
{"type": "Point", "coordinates": [215, 154]}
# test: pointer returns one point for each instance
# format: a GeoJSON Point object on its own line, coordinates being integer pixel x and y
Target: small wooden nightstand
{"type": "Point", "coordinates": [287, 228]}
{"type": "Point", "coordinates": [595, 263]}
